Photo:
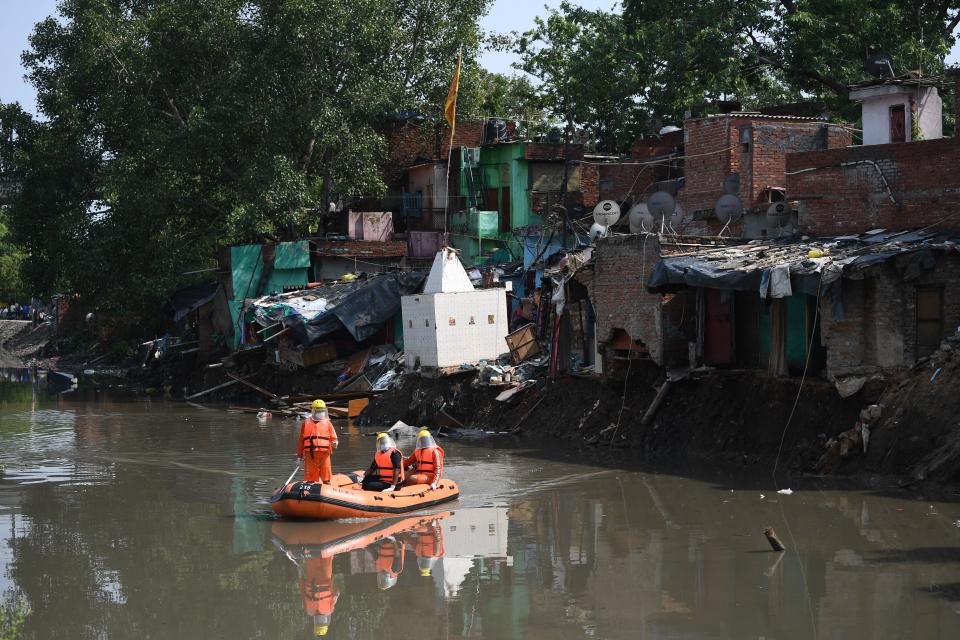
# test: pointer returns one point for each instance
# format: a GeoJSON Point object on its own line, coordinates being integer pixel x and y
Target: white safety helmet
{"type": "Point", "coordinates": [425, 440]}
{"type": "Point", "coordinates": [385, 442]}
{"type": "Point", "coordinates": [386, 580]}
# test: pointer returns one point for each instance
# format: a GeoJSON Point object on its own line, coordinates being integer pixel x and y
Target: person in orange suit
{"type": "Point", "coordinates": [389, 562]}
{"type": "Point", "coordinates": [319, 594]}
{"type": "Point", "coordinates": [428, 545]}
{"type": "Point", "coordinates": [386, 471]}
{"type": "Point", "coordinates": [318, 439]}
{"type": "Point", "coordinates": [426, 461]}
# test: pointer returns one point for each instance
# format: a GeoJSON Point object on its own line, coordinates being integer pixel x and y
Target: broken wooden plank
{"type": "Point", "coordinates": [212, 389]}
{"type": "Point", "coordinates": [657, 401]}
{"type": "Point", "coordinates": [269, 394]}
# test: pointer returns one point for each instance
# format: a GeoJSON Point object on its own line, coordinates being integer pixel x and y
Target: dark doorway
{"type": "Point", "coordinates": [718, 334]}
{"type": "Point", "coordinates": [505, 225]}
{"type": "Point", "coordinates": [929, 320]}
{"type": "Point", "coordinates": [898, 123]}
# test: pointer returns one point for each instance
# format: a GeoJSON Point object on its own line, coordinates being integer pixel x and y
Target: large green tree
{"type": "Point", "coordinates": [618, 73]}
{"type": "Point", "coordinates": [184, 125]}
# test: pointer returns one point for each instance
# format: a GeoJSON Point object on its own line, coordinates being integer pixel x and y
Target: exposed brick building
{"type": "Point", "coordinates": [617, 284]}
{"type": "Point", "coordinates": [755, 148]}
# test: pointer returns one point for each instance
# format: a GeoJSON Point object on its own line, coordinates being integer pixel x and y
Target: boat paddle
{"type": "Point", "coordinates": [283, 486]}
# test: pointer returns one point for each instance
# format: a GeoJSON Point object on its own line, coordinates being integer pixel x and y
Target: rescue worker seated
{"type": "Point", "coordinates": [389, 562]}
{"type": "Point", "coordinates": [317, 441]}
{"type": "Point", "coordinates": [425, 464]}
{"type": "Point", "coordinates": [386, 471]}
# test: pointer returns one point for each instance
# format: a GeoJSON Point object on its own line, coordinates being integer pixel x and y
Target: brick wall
{"type": "Point", "coordinates": [410, 143]}
{"type": "Point", "coordinates": [879, 329]}
{"type": "Point", "coordinates": [551, 151]}
{"type": "Point", "coordinates": [922, 176]}
{"type": "Point", "coordinates": [618, 291]}
{"type": "Point", "coordinates": [713, 151]}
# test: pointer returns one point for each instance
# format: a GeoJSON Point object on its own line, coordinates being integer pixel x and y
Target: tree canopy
{"type": "Point", "coordinates": [172, 127]}
{"type": "Point", "coordinates": [618, 74]}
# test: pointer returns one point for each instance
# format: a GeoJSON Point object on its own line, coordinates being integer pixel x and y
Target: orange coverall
{"type": "Point", "coordinates": [316, 444]}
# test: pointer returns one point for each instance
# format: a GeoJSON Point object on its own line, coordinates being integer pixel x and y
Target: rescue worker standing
{"type": "Point", "coordinates": [317, 442]}
{"type": "Point", "coordinates": [386, 470]}
{"type": "Point", "coordinates": [426, 461]}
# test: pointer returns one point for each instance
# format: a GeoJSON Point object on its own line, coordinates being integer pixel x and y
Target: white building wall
{"type": "Point", "coordinates": [419, 330]}
{"type": "Point", "coordinates": [876, 103]}
{"type": "Point", "coordinates": [449, 329]}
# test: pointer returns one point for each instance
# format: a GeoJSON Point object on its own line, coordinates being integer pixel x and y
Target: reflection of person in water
{"type": "Point", "coordinates": [389, 561]}
{"type": "Point", "coordinates": [319, 594]}
{"type": "Point", "coordinates": [427, 541]}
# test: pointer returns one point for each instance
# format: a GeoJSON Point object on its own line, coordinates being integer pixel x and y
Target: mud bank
{"type": "Point", "coordinates": [729, 418]}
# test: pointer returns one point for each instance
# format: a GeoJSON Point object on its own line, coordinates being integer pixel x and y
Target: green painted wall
{"type": "Point", "coordinates": [501, 165]}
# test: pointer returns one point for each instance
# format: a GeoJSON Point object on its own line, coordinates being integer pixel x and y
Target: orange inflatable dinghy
{"type": "Point", "coordinates": [343, 498]}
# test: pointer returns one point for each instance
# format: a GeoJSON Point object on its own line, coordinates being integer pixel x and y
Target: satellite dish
{"type": "Point", "coordinates": [731, 184]}
{"type": "Point", "coordinates": [677, 216]}
{"type": "Point", "coordinates": [778, 214]}
{"type": "Point", "coordinates": [728, 208]}
{"type": "Point", "coordinates": [879, 65]}
{"type": "Point", "coordinates": [597, 231]}
{"type": "Point", "coordinates": [606, 213]}
{"type": "Point", "coordinates": [668, 129]}
{"type": "Point", "coordinates": [660, 205]}
{"type": "Point", "coordinates": [640, 218]}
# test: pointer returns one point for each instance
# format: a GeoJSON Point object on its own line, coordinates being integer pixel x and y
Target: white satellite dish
{"type": "Point", "coordinates": [677, 216]}
{"type": "Point", "coordinates": [778, 214]}
{"type": "Point", "coordinates": [640, 218]}
{"type": "Point", "coordinates": [661, 205]}
{"type": "Point", "coordinates": [668, 129]}
{"type": "Point", "coordinates": [606, 213]}
{"type": "Point", "coordinates": [728, 208]}
{"type": "Point", "coordinates": [597, 230]}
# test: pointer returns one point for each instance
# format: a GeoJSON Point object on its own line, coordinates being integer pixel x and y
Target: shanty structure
{"type": "Point", "coordinates": [853, 304]}
{"type": "Point", "coordinates": [452, 323]}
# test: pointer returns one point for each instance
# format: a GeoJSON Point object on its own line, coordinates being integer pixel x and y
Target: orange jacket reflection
{"type": "Point", "coordinates": [316, 586]}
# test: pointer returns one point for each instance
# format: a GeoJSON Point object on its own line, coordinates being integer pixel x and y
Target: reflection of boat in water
{"type": "Point", "coordinates": [344, 498]}
{"type": "Point", "coordinates": [312, 548]}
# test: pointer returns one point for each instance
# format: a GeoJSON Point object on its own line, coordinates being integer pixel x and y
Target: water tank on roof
{"type": "Point", "coordinates": [496, 130]}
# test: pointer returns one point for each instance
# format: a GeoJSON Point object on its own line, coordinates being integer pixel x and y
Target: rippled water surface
{"type": "Point", "coordinates": [151, 519]}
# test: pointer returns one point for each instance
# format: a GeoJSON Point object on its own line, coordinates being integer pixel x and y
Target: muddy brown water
{"type": "Point", "coordinates": [150, 519]}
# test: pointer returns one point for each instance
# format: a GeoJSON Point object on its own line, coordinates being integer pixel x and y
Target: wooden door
{"type": "Point", "coordinates": [898, 123]}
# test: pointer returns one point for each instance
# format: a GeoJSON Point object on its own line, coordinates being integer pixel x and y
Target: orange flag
{"type": "Point", "coordinates": [450, 104]}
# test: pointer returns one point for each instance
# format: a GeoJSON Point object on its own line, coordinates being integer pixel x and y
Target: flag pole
{"type": "Point", "coordinates": [450, 112]}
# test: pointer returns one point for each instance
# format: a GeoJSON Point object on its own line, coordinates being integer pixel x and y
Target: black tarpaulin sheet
{"type": "Point", "coordinates": [189, 299]}
{"type": "Point", "coordinates": [672, 274]}
{"type": "Point", "coordinates": [362, 311]}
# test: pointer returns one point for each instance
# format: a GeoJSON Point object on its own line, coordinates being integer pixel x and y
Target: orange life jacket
{"type": "Point", "coordinates": [429, 544]}
{"type": "Point", "coordinates": [390, 556]}
{"type": "Point", "coordinates": [428, 460]}
{"type": "Point", "coordinates": [385, 467]}
{"type": "Point", "coordinates": [316, 437]}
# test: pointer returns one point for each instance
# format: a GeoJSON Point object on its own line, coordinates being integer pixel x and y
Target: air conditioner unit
{"type": "Point", "coordinates": [472, 155]}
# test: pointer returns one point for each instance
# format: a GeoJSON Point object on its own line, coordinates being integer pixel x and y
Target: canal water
{"type": "Point", "coordinates": [150, 519]}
